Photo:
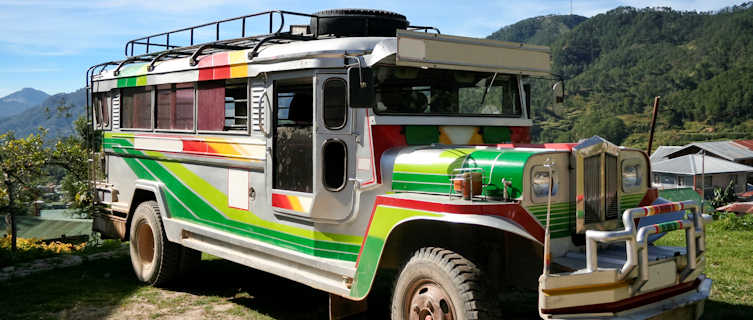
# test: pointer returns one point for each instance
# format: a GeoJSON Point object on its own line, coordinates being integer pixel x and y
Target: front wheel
{"type": "Point", "coordinates": [437, 284]}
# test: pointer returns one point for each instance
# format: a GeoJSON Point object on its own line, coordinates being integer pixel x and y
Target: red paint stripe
{"type": "Point", "coordinates": [555, 146]}
{"type": "Point", "coordinates": [205, 74]}
{"type": "Point", "coordinates": [195, 146]}
{"type": "Point", "coordinates": [363, 242]}
{"type": "Point", "coordinates": [649, 198]}
{"type": "Point", "coordinates": [628, 303]}
{"type": "Point", "coordinates": [510, 211]}
{"type": "Point", "coordinates": [281, 201]}
{"type": "Point", "coordinates": [221, 73]}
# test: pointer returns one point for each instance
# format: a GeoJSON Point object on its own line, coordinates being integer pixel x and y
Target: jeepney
{"type": "Point", "coordinates": [356, 145]}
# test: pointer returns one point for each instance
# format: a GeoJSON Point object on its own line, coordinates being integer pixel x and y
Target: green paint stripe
{"type": "Point", "coordinates": [384, 219]}
{"type": "Point", "coordinates": [432, 188]}
{"type": "Point", "coordinates": [433, 178]}
{"type": "Point", "coordinates": [200, 207]}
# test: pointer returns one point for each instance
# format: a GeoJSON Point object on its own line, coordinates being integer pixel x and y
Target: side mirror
{"type": "Point", "coordinates": [559, 92]}
{"type": "Point", "coordinates": [361, 88]}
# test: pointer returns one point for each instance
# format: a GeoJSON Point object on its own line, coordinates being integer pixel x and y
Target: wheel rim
{"type": "Point", "coordinates": [427, 300]}
{"type": "Point", "coordinates": [145, 243]}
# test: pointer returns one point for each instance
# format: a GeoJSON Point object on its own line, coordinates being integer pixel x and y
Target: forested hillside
{"type": "Point", "coordinates": [56, 114]}
{"type": "Point", "coordinates": [615, 63]}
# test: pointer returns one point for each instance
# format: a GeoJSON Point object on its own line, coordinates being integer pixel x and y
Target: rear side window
{"type": "Point", "coordinates": [101, 104]}
{"type": "Point", "coordinates": [222, 106]}
{"type": "Point", "coordinates": [136, 108]}
{"type": "Point", "coordinates": [175, 106]}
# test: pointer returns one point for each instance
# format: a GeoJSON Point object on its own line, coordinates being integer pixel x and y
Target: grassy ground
{"type": "Point", "coordinates": [222, 289]}
{"type": "Point", "coordinates": [730, 264]}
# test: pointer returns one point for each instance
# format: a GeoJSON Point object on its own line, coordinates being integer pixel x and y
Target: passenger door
{"type": "Point", "coordinates": [334, 150]}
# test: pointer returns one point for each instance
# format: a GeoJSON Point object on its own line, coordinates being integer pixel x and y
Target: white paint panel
{"type": "Point", "coordinates": [412, 48]}
{"type": "Point", "coordinates": [237, 189]}
{"type": "Point", "coordinates": [364, 164]}
{"type": "Point", "coordinates": [158, 144]}
{"type": "Point", "coordinates": [306, 203]}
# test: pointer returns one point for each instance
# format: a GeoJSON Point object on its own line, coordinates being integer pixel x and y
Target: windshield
{"type": "Point", "coordinates": [403, 90]}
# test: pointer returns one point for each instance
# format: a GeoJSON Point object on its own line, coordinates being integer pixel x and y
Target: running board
{"type": "Point", "coordinates": [328, 275]}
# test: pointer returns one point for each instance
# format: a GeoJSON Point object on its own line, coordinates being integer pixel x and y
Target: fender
{"type": "Point", "coordinates": [158, 190]}
{"type": "Point", "coordinates": [391, 211]}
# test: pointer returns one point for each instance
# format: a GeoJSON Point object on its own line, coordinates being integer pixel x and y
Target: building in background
{"type": "Point", "coordinates": [704, 166]}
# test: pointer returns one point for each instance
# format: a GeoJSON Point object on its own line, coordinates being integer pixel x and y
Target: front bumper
{"type": "Point", "coordinates": [687, 305]}
{"type": "Point", "coordinates": [628, 278]}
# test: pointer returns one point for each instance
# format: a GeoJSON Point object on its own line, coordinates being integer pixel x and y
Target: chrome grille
{"type": "Point", "coordinates": [610, 185]}
{"type": "Point", "coordinates": [592, 188]}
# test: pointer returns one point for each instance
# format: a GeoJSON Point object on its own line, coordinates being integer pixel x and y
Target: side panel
{"type": "Point", "coordinates": [198, 192]}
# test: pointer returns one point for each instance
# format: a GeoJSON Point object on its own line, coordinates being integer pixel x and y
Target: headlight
{"type": "Point", "coordinates": [541, 183]}
{"type": "Point", "coordinates": [632, 175]}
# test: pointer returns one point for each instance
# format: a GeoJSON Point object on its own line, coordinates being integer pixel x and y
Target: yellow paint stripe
{"type": "Point", "coordinates": [584, 288]}
{"type": "Point", "coordinates": [295, 203]}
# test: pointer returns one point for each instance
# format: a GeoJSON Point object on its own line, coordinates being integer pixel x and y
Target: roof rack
{"type": "Point", "coordinates": [168, 50]}
{"type": "Point", "coordinates": [161, 41]}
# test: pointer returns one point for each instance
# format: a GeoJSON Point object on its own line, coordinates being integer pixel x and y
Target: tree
{"type": "Point", "coordinates": [22, 163]}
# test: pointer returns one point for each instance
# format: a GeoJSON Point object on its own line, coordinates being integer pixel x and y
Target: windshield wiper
{"type": "Point", "coordinates": [483, 98]}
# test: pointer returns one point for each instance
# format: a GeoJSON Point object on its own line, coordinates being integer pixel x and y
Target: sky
{"type": "Point", "coordinates": [49, 44]}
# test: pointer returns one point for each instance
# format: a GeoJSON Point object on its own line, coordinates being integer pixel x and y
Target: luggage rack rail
{"type": "Point", "coordinates": [161, 41]}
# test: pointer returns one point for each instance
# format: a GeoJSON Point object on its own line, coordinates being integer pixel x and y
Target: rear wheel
{"type": "Point", "coordinates": [155, 260]}
{"type": "Point", "coordinates": [437, 284]}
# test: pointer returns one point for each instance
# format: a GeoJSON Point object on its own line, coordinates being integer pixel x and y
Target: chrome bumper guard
{"type": "Point", "coordinates": [636, 239]}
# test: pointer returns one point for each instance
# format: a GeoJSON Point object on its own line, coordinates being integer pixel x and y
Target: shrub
{"type": "Point", "coordinates": [31, 249]}
{"type": "Point", "coordinates": [733, 222]}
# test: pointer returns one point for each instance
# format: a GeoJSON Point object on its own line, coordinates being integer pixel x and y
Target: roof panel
{"type": "Point", "coordinates": [696, 164]}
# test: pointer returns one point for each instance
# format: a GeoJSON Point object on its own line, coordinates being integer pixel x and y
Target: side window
{"type": "Point", "coordinates": [293, 167]}
{"type": "Point", "coordinates": [334, 164]}
{"type": "Point", "coordinates": [101, 109]}
{"type": "Point", "coordinates": [335, 108]}
{"type": "Point", "coordinates": [222, 106]}
{"type": "Point", "coordinates": [175, 106]}
{"type": "Point", "coordinates": [136, 108]}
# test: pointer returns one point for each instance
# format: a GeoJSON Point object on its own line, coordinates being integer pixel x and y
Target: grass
{"type": "Point", "coordinates": [729, 260]}
{"type": "Point", "coordinates": [222, 289]}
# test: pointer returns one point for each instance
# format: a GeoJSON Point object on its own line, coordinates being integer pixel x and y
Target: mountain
{"type": "Point", "coordinates": [21, 100]}
{"type": "Point", "coordinates": [615, 63]}
{"type": "Point", "coordinates": [542, 30]}
{"type": "Point", "coordinates": [48, 114]}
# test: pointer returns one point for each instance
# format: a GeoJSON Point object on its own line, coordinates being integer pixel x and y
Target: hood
{"type": "Point", "coordinates": [430, 169]}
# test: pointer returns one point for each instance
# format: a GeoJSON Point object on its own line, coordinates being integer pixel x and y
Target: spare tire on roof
{"type": "Point", "coordinates": [357, 23]}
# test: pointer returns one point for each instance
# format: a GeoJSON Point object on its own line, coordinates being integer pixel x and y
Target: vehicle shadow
{"type": "Point", "coordinates": [723, 310]}
{"type": "Point", "coordinates": [265, 293]}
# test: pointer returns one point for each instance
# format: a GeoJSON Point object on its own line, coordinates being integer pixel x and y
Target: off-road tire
{"type": "Point", "coordinates": [357, 23]}
{"type": "Point", "coordinates": [163, 264]}
{"type": "Point", "coordinates": [453, 273]}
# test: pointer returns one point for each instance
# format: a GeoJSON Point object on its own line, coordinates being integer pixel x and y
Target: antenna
{"type": "Point", "coordinates": [571, 7]}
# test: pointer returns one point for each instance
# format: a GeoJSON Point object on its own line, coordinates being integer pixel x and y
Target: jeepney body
{"type": "Point", "coordinates": [272, 168]}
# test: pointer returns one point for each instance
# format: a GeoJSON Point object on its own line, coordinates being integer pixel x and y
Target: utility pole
{"type": "Point", "coordinates": [653, 124]}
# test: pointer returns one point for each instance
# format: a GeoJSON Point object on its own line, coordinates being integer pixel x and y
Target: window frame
{"type": "Point", "coordinates": [248, 130]}
{"type": "Point", "coordinates": [517, 103]}
{"type": "Point", "coordinates": [152, 91]}
{"type": "Point", "coordinates": [636, 187]}
{"type": "Point", "coordinates": [324, 164]}
{"type": "Point", "coordinates": [555, 178]}
{"type": "Point", "coordinates": [173, 88]}
{"type": "Point", "coordinates": [324, 103]}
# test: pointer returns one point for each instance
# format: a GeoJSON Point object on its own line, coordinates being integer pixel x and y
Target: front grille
{"type": "Point", "coordinates": [611, 187]}
{"type": "Point", "coordinates": [592, 188]}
